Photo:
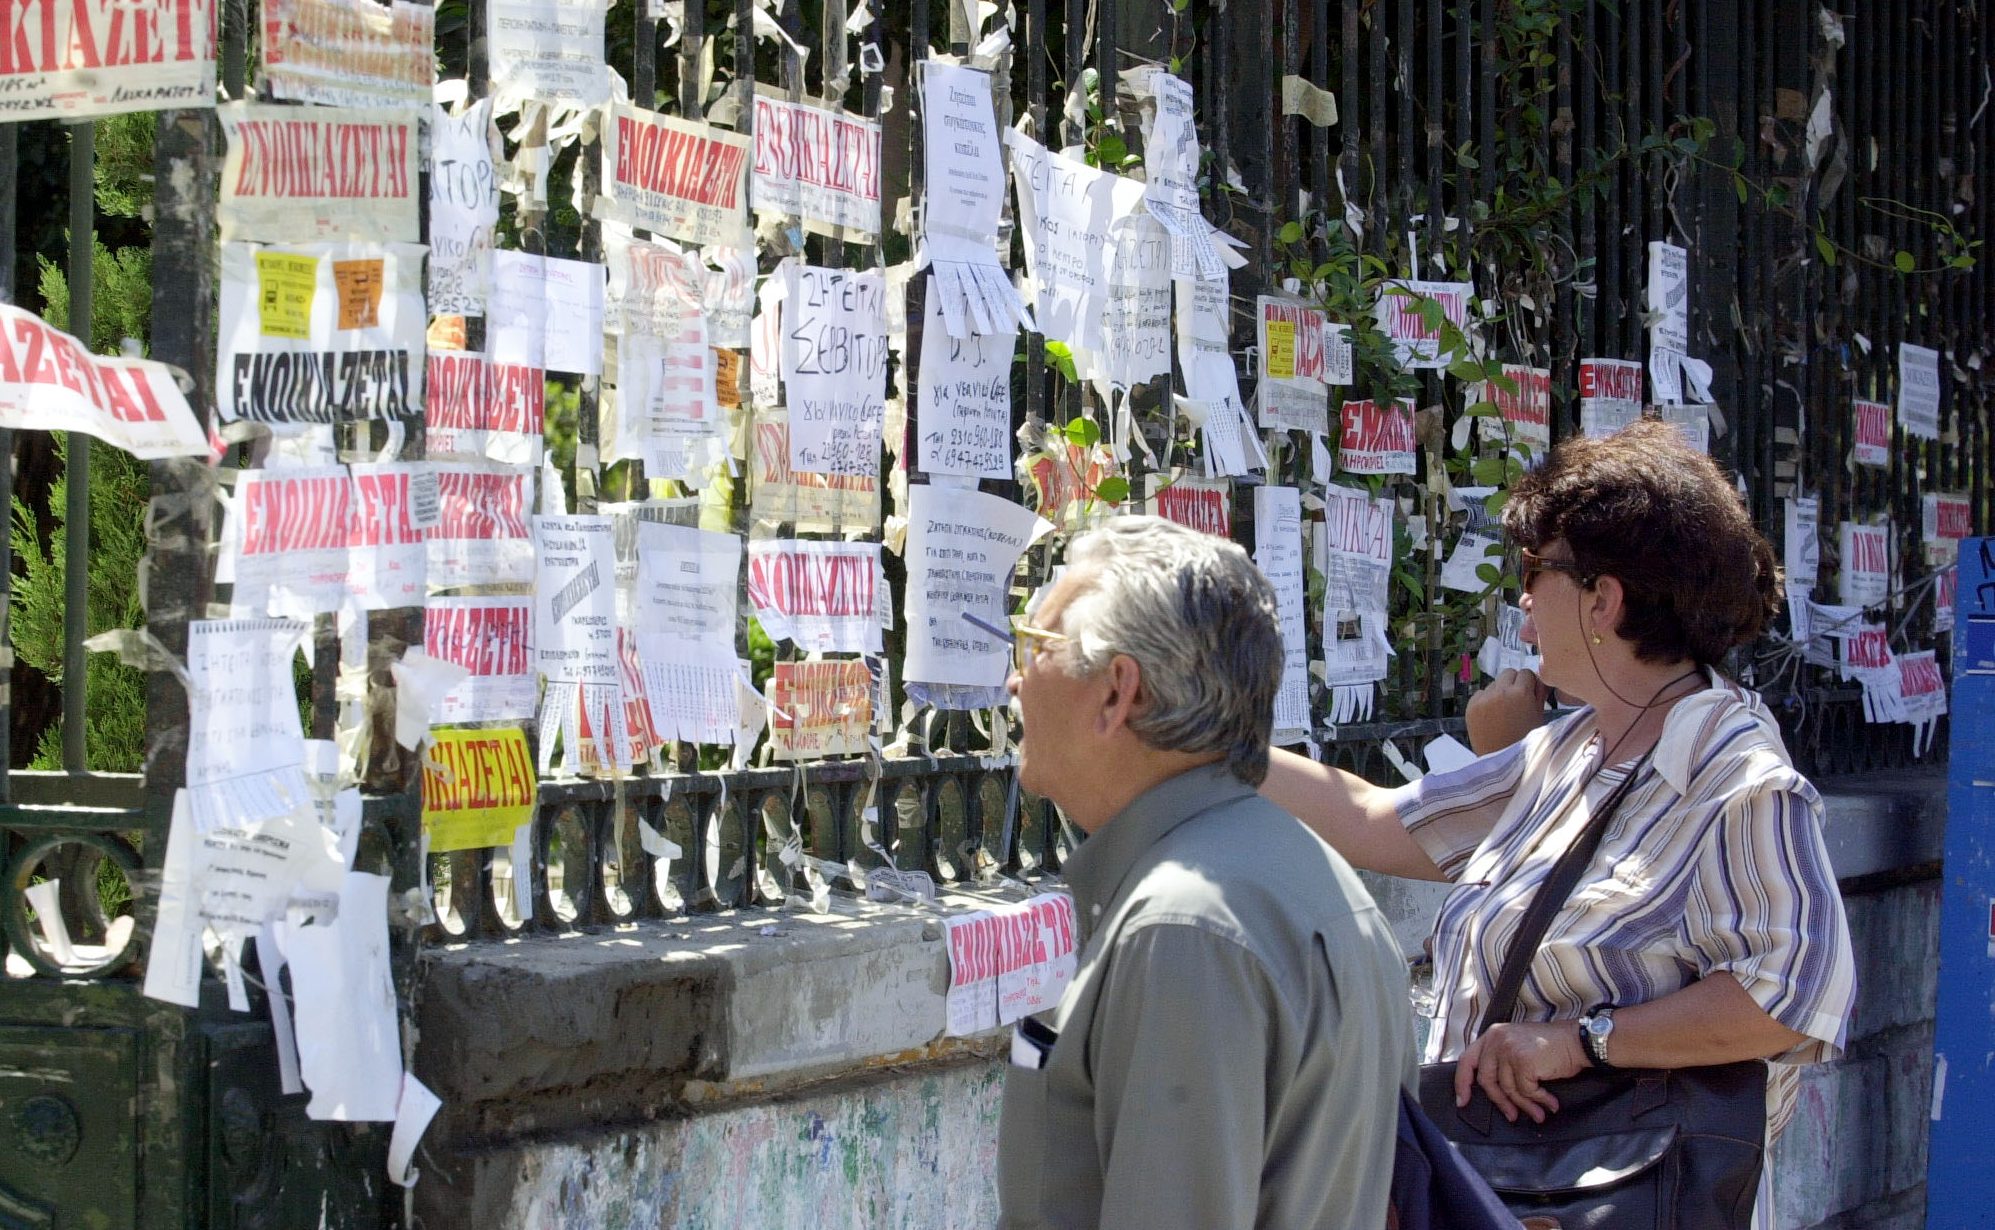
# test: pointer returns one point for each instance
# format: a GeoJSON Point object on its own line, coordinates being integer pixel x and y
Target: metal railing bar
{"type": "Point", "coordinates": [76, 512]}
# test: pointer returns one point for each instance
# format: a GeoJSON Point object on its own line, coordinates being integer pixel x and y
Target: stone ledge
{"type": "Point", "coordinates": [559, 1033]}
{"type": "Point", "coordinates": [1884, 822]}
{"type": "Point", "coordinates": [565, 1032]}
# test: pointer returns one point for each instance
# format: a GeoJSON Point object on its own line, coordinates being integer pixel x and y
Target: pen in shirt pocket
{"type": "Point", "coordinates": [1032, 1043]}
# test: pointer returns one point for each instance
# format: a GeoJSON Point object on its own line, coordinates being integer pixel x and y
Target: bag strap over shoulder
{"type": "Point", "coordinates": [1551, 896]}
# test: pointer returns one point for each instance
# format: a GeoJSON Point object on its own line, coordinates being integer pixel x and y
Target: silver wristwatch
{"type": "Point", "coordinates": [1594, 1030]}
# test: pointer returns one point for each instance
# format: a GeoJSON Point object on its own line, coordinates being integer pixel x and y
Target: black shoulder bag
{"type": "Point", "coordinates": [1628, 1147]}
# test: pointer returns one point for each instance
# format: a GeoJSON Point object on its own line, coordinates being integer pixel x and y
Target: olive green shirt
{"type": "Point", "coordinates": [1231, 1049]}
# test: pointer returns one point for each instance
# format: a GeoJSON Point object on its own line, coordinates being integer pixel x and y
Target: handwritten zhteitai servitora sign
{"type": "Point", "coordinates": [304, 173]}
{"type": "Point", "coordinates": [74, 58]}
{"type": "Point", "coordinates": [675, 177]}
{"type": "Point", "coordinates": [321, 333]}
{"type": "Point", "coordinates": [49, 381]}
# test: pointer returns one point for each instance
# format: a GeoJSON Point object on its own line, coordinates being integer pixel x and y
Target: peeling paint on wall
{"type": "Point", "coordinates": [914, 1153]}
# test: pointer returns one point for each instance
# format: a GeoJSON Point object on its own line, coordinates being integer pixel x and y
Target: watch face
{"type": "Point", "coordinates": [1599, 1026]}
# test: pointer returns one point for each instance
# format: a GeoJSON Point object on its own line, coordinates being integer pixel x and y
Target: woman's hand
{"type": "Point", "coordinates": [1508, 709]}
{"type": "Point", "coordinates": [1511, 1062]}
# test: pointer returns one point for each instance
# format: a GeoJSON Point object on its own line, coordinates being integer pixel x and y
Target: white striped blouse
{"type": "Point", "coordinates": [1714, 861]}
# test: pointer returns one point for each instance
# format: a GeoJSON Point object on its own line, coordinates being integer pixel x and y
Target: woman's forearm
{"type": "Point", "coordinates": [1710, 1021]}
{"type": "Point", "coordinates": [1350, 813]}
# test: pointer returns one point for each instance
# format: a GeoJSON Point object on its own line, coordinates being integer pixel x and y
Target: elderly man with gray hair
{"type": "Point", "coordinates": [1231, 1049]}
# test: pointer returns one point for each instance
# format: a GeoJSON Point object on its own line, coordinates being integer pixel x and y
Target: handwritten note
{"type": "Point", "coordinates": [463, 208]}
{"type": "Point", "coordinates": [550, 50]}
{"type": "Point", "coordinates": [1278, 551]}
{"type": "Point", "coordinates": [962, 547]}
{"type": "Point", "coordinates": [1066, 209]}
{"type": "Point", "coordinates": [965, 401]}
{"type": "Point", "coordinates": [834, 365]}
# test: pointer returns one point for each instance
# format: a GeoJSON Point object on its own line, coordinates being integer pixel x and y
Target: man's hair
{"type": "Point", "coordinates": [1646, 508]}
{"type": "Point", "coordinates": [1200, 621]}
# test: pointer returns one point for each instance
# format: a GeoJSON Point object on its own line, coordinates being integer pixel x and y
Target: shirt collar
{"type": "Point", "coordinates": [1677, 749]}
{"type": "Point", "coordinates": [1096, 870]}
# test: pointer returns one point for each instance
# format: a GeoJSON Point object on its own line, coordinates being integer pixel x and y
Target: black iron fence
{"type": "Point", "coordinates": [1825, 172]}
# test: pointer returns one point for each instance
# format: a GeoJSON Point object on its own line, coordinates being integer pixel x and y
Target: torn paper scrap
{"type": "Point", "coordinates": [349, 1040]}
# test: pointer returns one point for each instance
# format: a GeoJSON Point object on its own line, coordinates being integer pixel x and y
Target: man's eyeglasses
{"type": "Point", "coordinates": [1532, 564]}
{"type": "Point", "coordinates": [1026, 641]}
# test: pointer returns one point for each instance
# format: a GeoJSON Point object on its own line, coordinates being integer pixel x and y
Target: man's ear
{"type": "Point", "coordinates": [1125, 689]}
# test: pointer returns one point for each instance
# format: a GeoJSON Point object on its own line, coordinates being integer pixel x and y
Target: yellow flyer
{"type": "Point", "coordinates": [478, 787]}
{"type": "Point", "coordinates": [286, 281]}
{"type": "Point", "coordinates": [1281, 349]}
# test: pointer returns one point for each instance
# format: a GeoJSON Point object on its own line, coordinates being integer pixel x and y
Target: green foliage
{"type": "Point", "coordinates": [124, 164]}
{"type": "Point", "coordinates": [121, 296]}
{"type": "Point", "coordinates": [120, 485]}
{"type": "Point", "coordinates": [115, 694]}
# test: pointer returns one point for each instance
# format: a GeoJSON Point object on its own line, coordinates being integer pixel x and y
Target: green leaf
{"type": "Point", "coordinates": [1482, 410]}
{"type": "Point", "coordinates": [1739, 186]}
{"type": "Point", "coordinates": [1466, 369]}
{"type": "Point", "coordinates": [1111, 150]}
{"type": "Point", "coordinates": [1827, 249]}
{"type": "Point", "coordinates": [1112, 490]}
{"type": "Point", "coordinates": [1488, 574]}
{"type": "Point", "coordinates": [1487, 471]}
{"type": "Point", "coordinates": [1905, 261]}
{"type": "Point", "coordinates": [1062, 360]}
{"type": "Point", "coordinates": [1291, 232]}
{"type": "Point", "coordinates": [1501, 381]}
{"type": "Point", "coordinates": [1963, 261]}
{"type": "Point", "coordinates": [1495, 500]}
{"type": "Point", "coordinates": [1082, 432]}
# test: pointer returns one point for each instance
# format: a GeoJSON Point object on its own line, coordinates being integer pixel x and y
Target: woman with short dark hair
{"type": "Point", "coordinates": [1707, 927]}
